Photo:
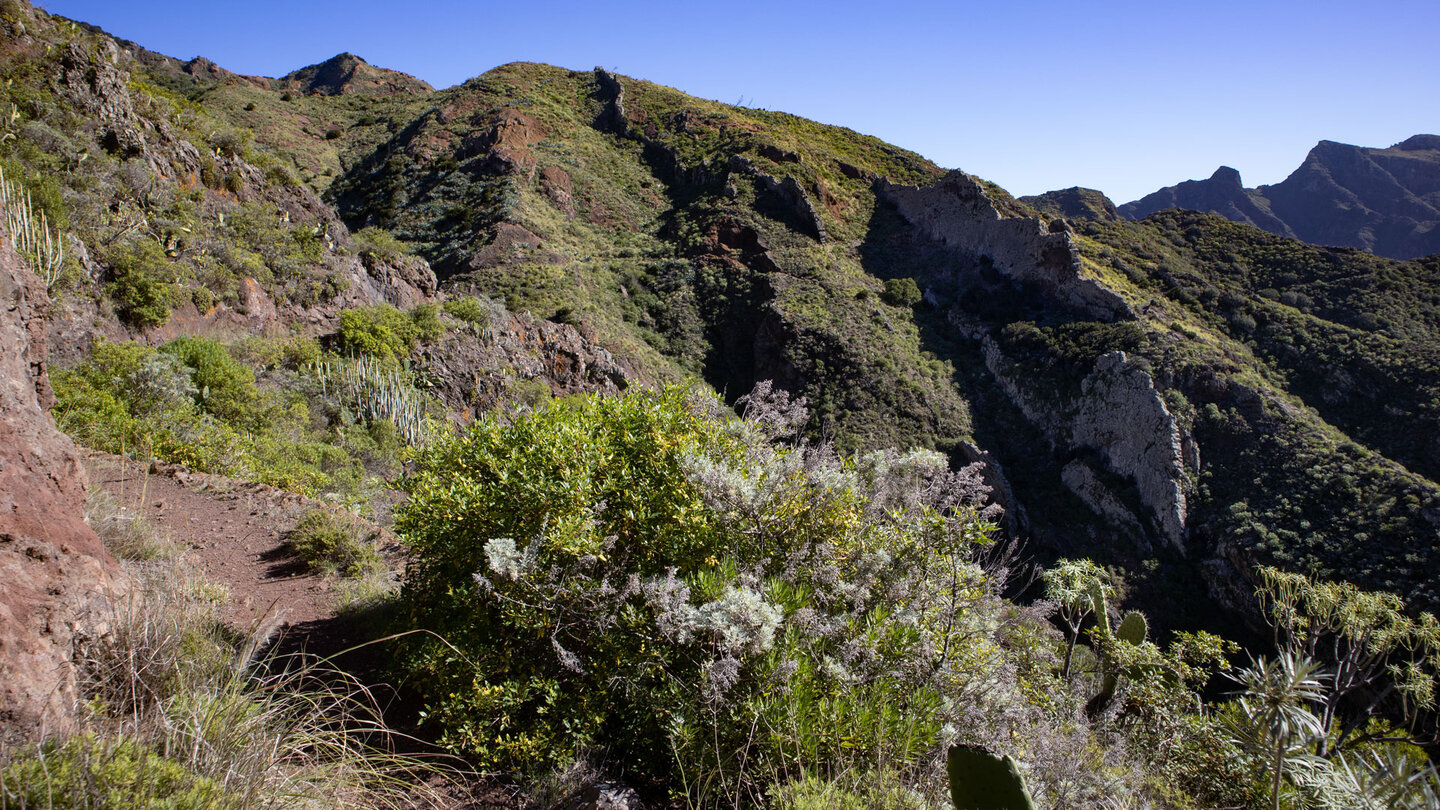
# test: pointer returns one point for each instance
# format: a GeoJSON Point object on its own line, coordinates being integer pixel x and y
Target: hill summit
{"type": "Point", "coordinates": [348, 74]}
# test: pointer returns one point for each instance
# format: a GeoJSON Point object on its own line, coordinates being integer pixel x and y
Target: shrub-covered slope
{"type": "Point", "coordinates": [1273, 402]}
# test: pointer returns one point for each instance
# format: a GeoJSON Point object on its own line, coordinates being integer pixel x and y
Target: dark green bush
{"type": "Point", "coordinates": [225, 386]}
{"type": "Point", "coordinates": [141, 283]}
{"type": "Point", "coordinates": [901, 292]}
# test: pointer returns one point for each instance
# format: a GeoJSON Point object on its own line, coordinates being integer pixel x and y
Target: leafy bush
{"type": "Point", "coordinates": [384, 332]}
{"type": "Point", "coordinates": [901, 292]}
{"type": "Point", "coordinates": [378, 243]}
{"type": "Point", "coordinates": [481, 313]}
{"type": "Point", "coordinates": [642, 574]}
{"type": "Point", "coordinates": [333, 544]}
{"type": "Point", "coordinates": [141, 283]}
{"type": "Point", "coordinates": [86, 771]}
{"type": "Point", "coordinates": [224, 386]}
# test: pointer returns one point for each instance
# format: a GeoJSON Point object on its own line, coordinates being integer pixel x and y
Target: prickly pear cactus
{"type": "Point", "coordinates": [980, 780]}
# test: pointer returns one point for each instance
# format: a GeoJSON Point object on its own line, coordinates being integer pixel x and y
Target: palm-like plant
{"type": "Point", "coordinates": [1274, 720]}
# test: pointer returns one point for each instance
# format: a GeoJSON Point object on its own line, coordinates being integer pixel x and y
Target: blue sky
{"type": "Point", "coordinates": [1125, 97]}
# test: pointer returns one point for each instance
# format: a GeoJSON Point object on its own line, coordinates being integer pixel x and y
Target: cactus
{"type": "Point", "coordinates": [1132, 631]}
{"type": "Point", "coordinates": [980, 780]}
{"type": "Point", "coordinates": [376, 392]}
{"type": "Point", "coordinates": [30, 232]}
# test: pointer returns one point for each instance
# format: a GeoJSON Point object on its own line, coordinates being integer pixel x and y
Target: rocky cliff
{"type": "Point", "coordinates": [1120, 420]}
{"type": "Point", "coordinates": [56, 579]}
{"type": "Point", "coordinates": [956, 212]}
{"type": "Point", "coordinates": [1386, 201]}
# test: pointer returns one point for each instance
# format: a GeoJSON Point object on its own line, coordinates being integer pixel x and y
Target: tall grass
{"type": "Point", "coordinates": [184, 712]}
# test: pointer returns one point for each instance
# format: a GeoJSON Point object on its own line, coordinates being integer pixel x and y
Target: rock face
{"type": "Point", "coordinates": [1120, 418]}
{"type": "Point", "coordinates": [956, 212]}
{"type": "Point", "coordinates": [514, 355]}
{"type": "Point", "coordinates": [1386, 201]}
{"type": "Point", "coordinates": [1123, 416]}
{"type": "Point", "coordinates": [55, 576]}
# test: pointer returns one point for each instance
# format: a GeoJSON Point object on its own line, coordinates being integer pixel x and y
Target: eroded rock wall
{"type": "Point", "coordinates": [956, 212]}
{"type": "Point", "coordinates": [1121, 418]}
{"type": "Point", "coordinates": [56, 579]}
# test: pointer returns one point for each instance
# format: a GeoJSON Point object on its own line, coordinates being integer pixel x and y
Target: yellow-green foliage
{"type": "Point", "coordinates": [193, 403]}
{"type": "Point", "coordinates": [384, 332]}
{"type": "Point", "coordinates": [640, 573]}
{"type": "Point", "coordinates": [86, 772]}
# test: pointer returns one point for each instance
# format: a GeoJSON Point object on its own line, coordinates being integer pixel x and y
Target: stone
{"type": "Point", "coordinates": [56, 578]}
{"type": "Point", "coordinates": [956, 212]}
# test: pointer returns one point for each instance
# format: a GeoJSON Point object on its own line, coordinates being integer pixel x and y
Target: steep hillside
{"type": "Point", "coordinates": [1180, 397]}
{"type": "Point", "coordinates": [1385, 201]}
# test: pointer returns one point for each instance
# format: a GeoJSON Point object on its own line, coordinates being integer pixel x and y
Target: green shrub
{"type": "Point", "coordinates": [901, 292]}
{"type": "Point", "coordinates": [378, 243]}
{"type": "Point", "coordinates": [87, 772]}
{"type": "Point", "coordinates": [333, 544]}
{"type": "Point", "coordinates": [483, 314]}
{"type": "Point", "coordinates": [141, 283]}
{"type": "Point", "coordinates": [384, 332]}
{"type": "Point", "coordinates": [637, 573]}
{"type": "Point", "coordinates": [225, 386]}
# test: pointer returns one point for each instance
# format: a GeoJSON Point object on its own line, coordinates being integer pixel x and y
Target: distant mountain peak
{"type": "Point", "coordinates": [347, 74]}
{"type": "Point", "coordinates": [1419, 143]}
{"type": "Point", "coordinates": [1228, 176]}
{"type": "Point", "coordinates": [1386, 201]}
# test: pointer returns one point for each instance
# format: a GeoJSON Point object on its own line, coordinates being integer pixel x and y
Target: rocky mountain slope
{"type": "Point", "coordinates": [1385, 201]}
{"type": "Point", "coordinates": [1184, 397]}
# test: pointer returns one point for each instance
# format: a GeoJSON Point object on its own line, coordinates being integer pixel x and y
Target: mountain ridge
{"type": "Point", "coordinates": [1383, 200]}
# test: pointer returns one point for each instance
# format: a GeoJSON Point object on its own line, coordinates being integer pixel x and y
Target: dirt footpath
{"type": "Point", "coordinates": [235, 533]}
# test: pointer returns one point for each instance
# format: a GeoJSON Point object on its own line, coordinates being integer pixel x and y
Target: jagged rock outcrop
{"type": "Point", "coordinates": [515, 351]}
{"type": "Point", "coordinates": [1120, 417]}
{"type": "Point", "coordinates": [56, 579]}
{"type": "Point", "coordinates": [1386, 201]}
{"type": "Point", "coordinates": [788, 191]}
{"type": "Point", "coordinates": [957, 212]}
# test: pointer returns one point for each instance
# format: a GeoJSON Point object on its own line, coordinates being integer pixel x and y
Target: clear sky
{"type": "Point", "coordinates": [1125, 97]}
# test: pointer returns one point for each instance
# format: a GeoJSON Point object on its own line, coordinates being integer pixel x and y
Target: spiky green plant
{"type": "Point", "coordinates": [376, 391]}
{"type": "Point", "coordinates": [1274, 720]}
{"type": "Point", "coordinates": [40, 245]}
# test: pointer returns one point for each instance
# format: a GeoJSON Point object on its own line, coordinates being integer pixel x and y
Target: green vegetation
{"type": "Point", "coordinates": [195, 402]}
{"type": "Point", "coordinates": [384, 332]}
{"type": "Point", "coordinates": [650, 583]}
{"type": "Point", "coordinates": [142, 283]}
{"type": "Point", "coordinates": [980, 780]}
{"type": "Point", "coordinates": [334, 544]}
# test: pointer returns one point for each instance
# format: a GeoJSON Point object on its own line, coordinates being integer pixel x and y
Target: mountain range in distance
{"type": "Point", "coordinates": [1385, 201]}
